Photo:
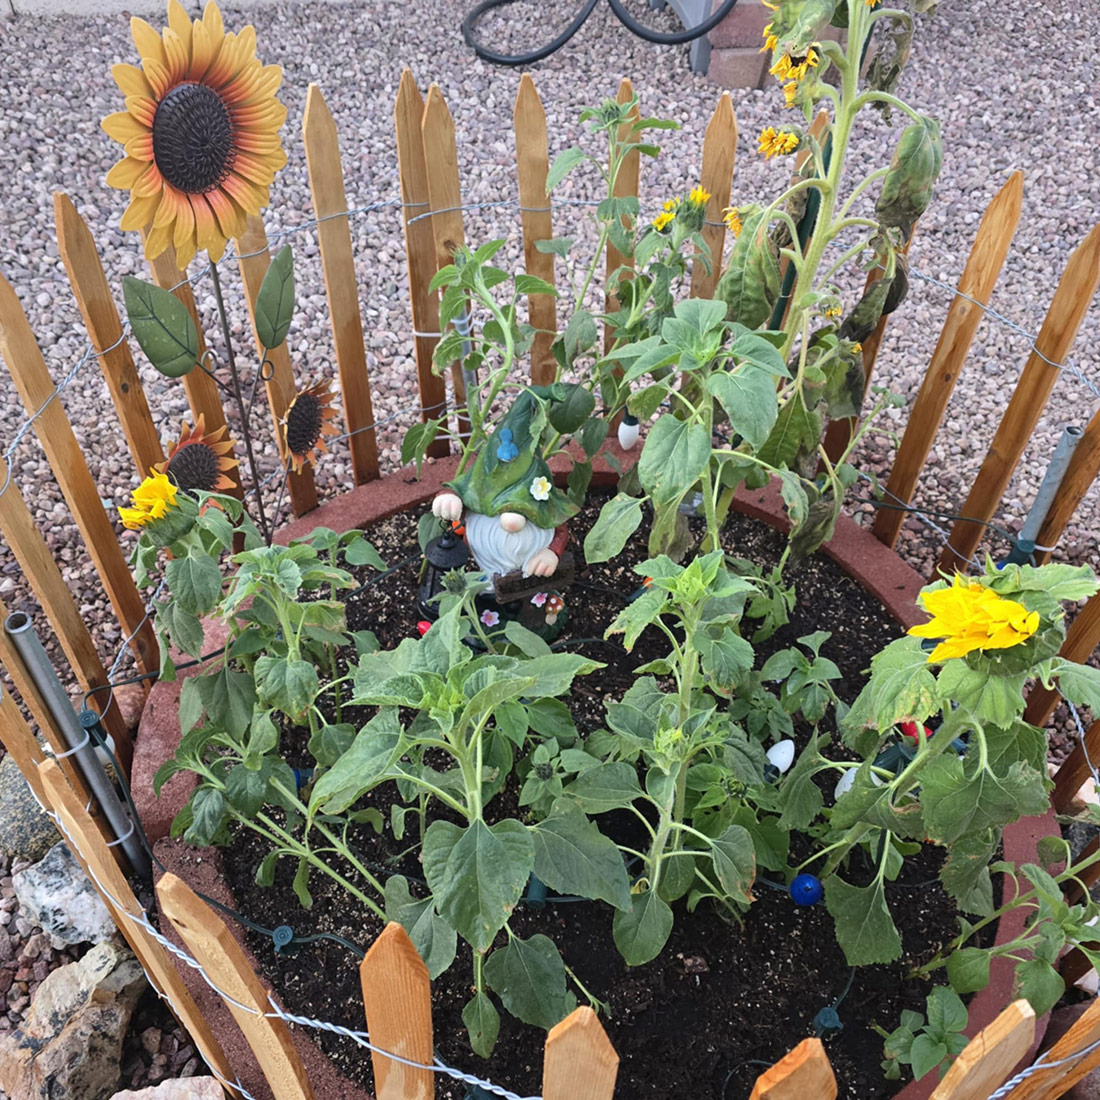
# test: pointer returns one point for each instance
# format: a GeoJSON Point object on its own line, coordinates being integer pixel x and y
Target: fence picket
{"type": "Point", "coordinates": [1078, 479]}
{"type": "Point", "coordinates": [715, 176]}
{"type": "Point", "coordinates": [990, 1057]}
{"type": "Point", "coordinates": [1074, 770]}
{"type": "Point", "coordinates": [41, 570]}
{"type": "Point", "coordinates": [802, 1074]}
{"type": "Point", "coordinates": [579, 1062]}
{"type": "Point", "coordinates": [437, 133]}
{"type": "Point", "coordinates": [280, 387]}
{"type": "Point", "coordinates": [97, 307]}
{"type": "Point", "coordinates": [1082, 637]}
{"type": "Point", "coordinates": [20, 744]}
{"type": "Point", "coordinates": [326, 184]}
{"type": "Point", "coordinates": [92, 852]}
{"type": "Point", "coordinates": [1067, 310]}
{"type": "Point", "coordinates": [1048, 1084]}
{"type": "Point", "coordinates": [532, 165]}
{"type": "Point", "coordinates": [408, 110]}
{"type": "Point", "coordinates": [214, 948]}
{"type": "Point", "coordinates": [32, 379]}
{"type": "Point", "coordinates": [626, 186]}
{"type": "Point", "coordinates": [983, 268]}
{"type": "Point", "coordinates": [397, 998]}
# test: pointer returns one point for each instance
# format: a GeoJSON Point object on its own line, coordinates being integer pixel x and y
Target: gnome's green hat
{"type": "Point", "coordinates": [509, 475]}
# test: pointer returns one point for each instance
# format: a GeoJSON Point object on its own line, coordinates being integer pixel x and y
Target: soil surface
{"type": "Point", "coordinates": [723, 1000]}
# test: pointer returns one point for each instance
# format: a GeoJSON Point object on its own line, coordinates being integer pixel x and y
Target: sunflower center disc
{"type": "Point", "coordinates": [194, 466]}
{"type": "Point", "coordinates": [303, 423]}
{"type": "Point", "coordinates": [193, 138]}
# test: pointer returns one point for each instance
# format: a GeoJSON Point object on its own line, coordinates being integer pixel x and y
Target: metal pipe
{"type": "Point", "coordinates": [1048, 489]}
{"type": "Point", "coordinates": [20, 630]}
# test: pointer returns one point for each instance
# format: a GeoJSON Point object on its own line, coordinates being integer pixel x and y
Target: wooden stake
{"type": "Point", "coordinates": [219, 954]}
{"type": "Point", "coordinates": [419, 251]}
{"type": "Point", "coordinates": [1083, 467]}
{"type": "Point", "coordinates": [1067, 310]}
{"type": "Point", "coordinates": [397, 998]}
{"type": "Point", "coordinates": [1082, 637]}
{"type": "Point", "coordinates": [532, 166]}
{"type": "Point", "coordinates": [253, 263]}
{"type": "Point", "coordinates": [437, 133]}
{"type": "Point", "coordinates": [716, 176]}
{"type": "Point", "coordinates": [98, 862]}
{"type": "Point", "coordinates": [20, 744]}
{"type": "Point", "coordinates": [626, 185]}
{"type": "Point", "coordinates": [983, 268]}
{"type": "Point", "coordinates": [41, 570]}
{"type": "Point", "coordinates": [1051, 1083]}
{"type": "Point", "coordinates": [1074, 770]}
{"type": "Point", "coordinates": [991, 1056]}
{"type": "Point", "coordinates": [803, 1073]}
{"type": "Point", "coordinates": [326, 183]}
{"type": "Point", "coordinates": [32, 379]}
{"type": "Point", "coordinates": [579, 1062]}
{"type": "Point", "coordinates": [93, 296]}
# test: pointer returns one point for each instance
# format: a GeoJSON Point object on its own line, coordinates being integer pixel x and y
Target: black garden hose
{"type": "Point", "coordinates": [659, 38]}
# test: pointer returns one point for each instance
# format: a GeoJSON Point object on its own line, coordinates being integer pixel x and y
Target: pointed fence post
{"type": "Point", "coordinates": [93, 854]}
{"type": "Point", "coordinates": [31, 376]}
{"type": "Point", "coordinates": [803, 1073]}
{"type": "Point", "coordinates": [408, 110]}
{"type": "Point", "coordinates": [1067, 310]}
{"type": "Point", "coordinates": [715, 176]}
{"type": "Point", "coordinates": [254, 260]}
{"type": "Point", "coordinates": [990, 1057]}
{"type": "Point", "coordinates": [330, 203]}
{"type": "Point", "coordinates": [93, 296]}
{"type": "Point", "coordinates": [397, 998]}
{"type": "Point", "coordinates": [983, 268]}
{"type": "Point", "coordinates": [532, 166]}
{"type": "Point", "coordinates": [579, 1062]}
{"type": "Point", "coordinates": [214, 948]}
{"type": "Point", "coordinates": [1047, 1084]}
{"type": "Point", "coordinates": [41, 570]}
{"type": "Point", "coordinates": [626, 186]}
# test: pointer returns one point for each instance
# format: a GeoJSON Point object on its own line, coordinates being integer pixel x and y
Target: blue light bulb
{"type": "Point", "coordinates": [806, 889]}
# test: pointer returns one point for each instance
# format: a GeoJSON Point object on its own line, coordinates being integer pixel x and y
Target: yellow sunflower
{"type": "Point", "coordinates": [200, 130]}
{"type": "Point", "coordinates": [307, 422]}
{"type": "Point", "coordinates": [153, 499]}
{"type": "Point", "coordinates": [200, 462]}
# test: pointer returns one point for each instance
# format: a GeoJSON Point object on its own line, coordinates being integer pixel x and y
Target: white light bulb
{"type": "Point", "coordinates": [628, 432]}
{"type": "Point", "coordinates": [781, 755]}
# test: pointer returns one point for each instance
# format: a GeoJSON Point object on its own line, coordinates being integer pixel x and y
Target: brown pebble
{"type": "Point", "coordinates": [150, 1039]}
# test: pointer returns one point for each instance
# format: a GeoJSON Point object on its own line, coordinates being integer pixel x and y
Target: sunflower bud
{"type": "Point", "coordinates": [907, 188]}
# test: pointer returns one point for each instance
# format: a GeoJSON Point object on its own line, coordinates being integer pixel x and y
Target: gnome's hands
{"type": "Point", "coordinates": [447, 506]}
{"type": "Point", "coordinates": [541, 564]}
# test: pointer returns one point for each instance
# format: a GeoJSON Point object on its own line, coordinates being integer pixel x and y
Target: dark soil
{"type": "Point", "coordinates": [722, 1001]}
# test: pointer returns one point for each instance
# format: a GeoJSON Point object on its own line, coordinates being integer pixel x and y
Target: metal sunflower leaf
{"type": "Point", "coordinates": [162, 326]}
{"type": "Point", "coordinates": [275, 302]}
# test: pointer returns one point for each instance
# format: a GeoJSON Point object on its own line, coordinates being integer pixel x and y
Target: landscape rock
{"type": "Point", "coordinates": [56, 895]}
{"type": "Point", "coordinates": [25, 830]}
{"type": "Point", "coordinates": [70, 1045]}
{"type": "Point", "coordinates": [182, 1088]}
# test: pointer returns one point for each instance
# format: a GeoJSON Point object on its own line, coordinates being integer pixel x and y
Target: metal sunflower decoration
{"type": "Point", "coordinates": [200, 130]}
{"type": "Point", "coordinates": [307, 422]}
{"type": "Point", "coordinates": [201, 136]}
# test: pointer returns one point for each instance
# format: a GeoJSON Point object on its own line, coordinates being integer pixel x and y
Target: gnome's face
{"type": "Point", "coordinates": [504, 543]}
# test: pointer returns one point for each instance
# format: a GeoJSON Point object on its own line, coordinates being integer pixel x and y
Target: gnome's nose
{"type": "Point", "coordinates": [512, 522]}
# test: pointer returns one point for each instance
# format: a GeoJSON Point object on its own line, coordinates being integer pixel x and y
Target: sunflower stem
{"type": "Point", "coordinates": [246, 432]}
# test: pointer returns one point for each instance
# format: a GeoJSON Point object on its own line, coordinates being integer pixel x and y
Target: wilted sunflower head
{"type": "Point", "coordinates": [307, 422]}
{"type": "Point", "coordinates": [200, 130]}
{"type": "Point", "coordinates": [200, 461]}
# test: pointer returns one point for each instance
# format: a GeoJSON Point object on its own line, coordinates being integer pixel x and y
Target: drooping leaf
{"type": "Point", "coordinates": [618, 520]}
{"type": "Point", "coordinates": [642, 931]}
{"type": "Point", "coordinates": [864, 927]}
{"type": "Point", "coordinates": [608, 787]}
{"type": "Point", "coordinates": [1040, 983]}
{"type": "Point", "coordinates": [195, 582]}
{"type": "Point", "coordinates": [275, 301]}
{"type": "Point", "coordinates": [162, 326]}
{"type": "Point", "coordinates": [287, 684]}
{"type": "Point", "coordinates": [675, 454]}
{"type": "Point", "coordinates": [968, 969]}
{"type": "Point", "coordinates": [529, 978]}
{"type": "Point", "coordinates": [482, 1024]}
{"type": "Point", "coordinates": [434, 939]}
{"type": "Point", "coordinates": [373, 752]}
{"type": "Point", "coordinates": [749, 398]}
{"type": "Point", "coordinates": [735, 863]}
{"type": "Point", "coordinates": [572, 856]}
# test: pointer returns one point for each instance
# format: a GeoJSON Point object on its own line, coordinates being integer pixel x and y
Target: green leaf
{"type": "Point", "coordinates": [1040, 983]}
{"type": "Point", "coordinates": [864, 928]}
{"type": "Point", "coordinates": [642, 931]}
{"type": "Point", "coordinates": [289, 685]}
{"type": "Point", "coordinates": [965, 875]}
{"type": "Point", "coordinates": [564, 163]}
{"type": "Point", "coordinates": [477, 874]}
{"type": "Point", "coordinates": [567, 414]}
{"type": "Point", "coordinates": [997, 697]}
{"type": "Point", "coordinates": [572, 856]}
{"type": "Point", "coordinates": [195, 582]}
{"type": "Point", "coordinates": [734, 858]}
{"type": "Point", "coordinates": [750, 284]}
{"type": "Point", "coordinates": [749, 397]}
{"type": "Point", "coordinates": [675, 454]}
{"type": "Point", "coordinates": [968, 970]}
{"type": "Point", "coordinates": [376, 748]}
{"type": "Point", "coordinates": [330, 742]}
{"type": "Point", "coordinates": [802, 799]}
{"type": "Point", "coordinates": [275, 303]}
{"type": "Point", "coordinates": [300, 884]}
{"type": "Point", "coordinates": [608, 787]}
{"type": "Point", "coordinates": [724, 658]}
{"type": "Point", "coordinates": [209, 810]}
{"type": "Point", "coordinates": [637, 615]}
{"type": "Point", "coordinates": [246, 790]}
{"type": "Point", "coordinates": [1080, 684]}
{"type": "Point", "coordinates": [619, 518]}
{"type": "Point", "coordinates": [190, 704]}
{"type": "Point", "coordinates": [556, 246]}
{"type": "Point", "coordinates": [593, 434]}
{"type": "Point", "coordinates": [482, 1021]}
{"type": "Point", "coordinates": [360, 552]}
{"type": "Point", "coordinates": [434, 939]}
{"type": "Point", "coordinates": [532, 284]}
{"type": "Point", "coordinates": [946, 1012]}
{"type": "Point", "coordinates": [229, 698]}
{"type": "Point", "coordinates": [529, 977]}
{"type": "Point", "coordinates": [794, 440]}
{"type": "Point", "coordinates": [925, 1054]}
{"type": "Point", "coordinates": [526, 641]}
{"type": "Point", "coordinates": [756, 349]}
{"type": "Point", "coordinates": [163, 327]}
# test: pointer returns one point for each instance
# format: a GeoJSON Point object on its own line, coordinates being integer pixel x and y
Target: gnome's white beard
{"type": "Point", "coordinates": [500, 551]}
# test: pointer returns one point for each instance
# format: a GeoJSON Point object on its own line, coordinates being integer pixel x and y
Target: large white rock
{"type": "Point", "coordinates": [181, 1088]}
{"type": "Point", "coordinates": [57, 896]}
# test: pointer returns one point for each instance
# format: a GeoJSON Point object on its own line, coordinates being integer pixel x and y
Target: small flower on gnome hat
{"type": "Point", "coordinates": [540, 488]}
{"type": "Point", "coordinates": [507, 449]}
{"type": "Point", "coordinates": [490, 618]}
{"type": "Point", "coordinates": [539, 598]}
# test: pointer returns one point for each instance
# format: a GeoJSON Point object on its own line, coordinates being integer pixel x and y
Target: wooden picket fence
{"type": "Point", "coordinates": [579, 1061]}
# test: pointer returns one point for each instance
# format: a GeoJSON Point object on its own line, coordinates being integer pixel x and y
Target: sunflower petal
{"type": "Point", "coordinates": [178, 56]}
{"type": "Point", "coordinates": [143, 108]}
{"type": "Point", "coordinates": [141, 148]}
{"type": "Point", "coordinates": [230, 217]}
{"type": "Point", "coordinates": [131, 80]}
{"type": "Point", "coordinates": [146, 39]}
{"type": "Point", "coordinates": [225, 64]}
{"type": "Point", "coordinates": [140, 212]}
{"type": "Point", "coordinates": [126, 173]}
{"type": "Point", "coordinates": [150, 183]}
{"type": "Point", "coordinates": [157, 74]}
{"type": "Point", "coordinates": [251, 197]}
{"type": "Point", "coordinates": [156, 241]}
{"type": "Point", "coordinates": [168, 208]}
{"type": "Point", "coordinates": [122, 126]}
{"type": "Point", "coordinates": [268, 114]}
{"type": "Point", "coordinates": [203, 51]}
{"type": "Point", "coordinates": [212, 20]}
{"type": "Point", "coordinates": [207, 233]}
{"type": "Point", "coordinates": [180, 22]}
